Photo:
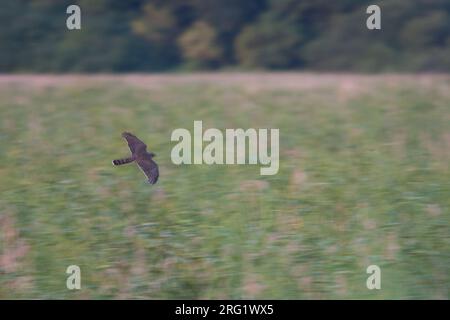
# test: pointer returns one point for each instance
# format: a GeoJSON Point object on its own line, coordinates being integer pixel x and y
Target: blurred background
{"type": "Point", "coordinates": [364, 173]}
{"type": "Point", "coordinates": [160, 35]}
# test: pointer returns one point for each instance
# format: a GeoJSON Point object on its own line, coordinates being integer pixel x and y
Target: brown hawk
{"type": "Point", "coordinates": [143, 158]}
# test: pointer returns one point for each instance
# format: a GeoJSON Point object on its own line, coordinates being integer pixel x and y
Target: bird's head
{"type": "Point", "coordinates": [152, 154]}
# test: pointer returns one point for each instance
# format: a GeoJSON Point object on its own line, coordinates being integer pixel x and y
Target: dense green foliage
{"type": "Point", "coordinates": [152, 35]}
{"type": "Point", "coordinates": [364, 179]}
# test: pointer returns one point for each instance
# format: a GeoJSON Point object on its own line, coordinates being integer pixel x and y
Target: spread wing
{"type": "Point", "coordinates": [134, 143]}
{"type": "Point", "coordinates": [150, 169]}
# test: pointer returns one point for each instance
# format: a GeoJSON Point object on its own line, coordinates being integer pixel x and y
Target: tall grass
{"type": "Point", "coordinates": [364, 179]}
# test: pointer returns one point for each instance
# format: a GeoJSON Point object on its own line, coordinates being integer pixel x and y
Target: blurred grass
{"type": "Point", "coordinates": [364, 179]}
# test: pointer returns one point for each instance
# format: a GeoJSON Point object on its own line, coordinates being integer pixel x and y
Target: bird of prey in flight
{"type": "Point", "coordinates": [143, 158]}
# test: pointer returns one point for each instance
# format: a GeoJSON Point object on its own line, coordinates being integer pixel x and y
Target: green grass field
{"type": "Point", "coordinates": [364, 179]}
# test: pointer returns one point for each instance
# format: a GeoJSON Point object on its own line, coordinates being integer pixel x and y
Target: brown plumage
{"type": "Point", "coordinates": [143, 158]}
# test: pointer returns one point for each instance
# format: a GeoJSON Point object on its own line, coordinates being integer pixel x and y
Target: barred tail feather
{"type": "Point", "coordinates": [120, 162]}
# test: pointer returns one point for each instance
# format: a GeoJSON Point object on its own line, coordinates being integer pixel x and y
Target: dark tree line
{"type": "Point", "coordinates": [163, 35]}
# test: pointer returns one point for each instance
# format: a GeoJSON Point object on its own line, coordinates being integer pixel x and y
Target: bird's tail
{"type": "Point", "coordinates": [120, 162]}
